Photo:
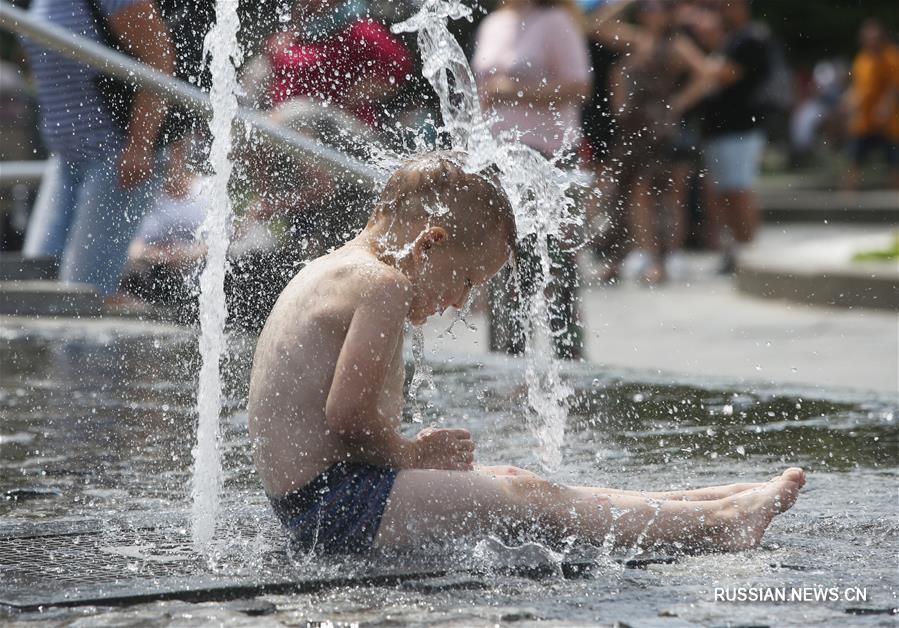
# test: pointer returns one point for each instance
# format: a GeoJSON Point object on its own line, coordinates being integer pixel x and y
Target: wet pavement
{"type": "Point", "coordinates": [98, 424]}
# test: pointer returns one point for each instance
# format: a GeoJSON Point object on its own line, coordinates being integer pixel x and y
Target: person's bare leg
{"type": "Point", "coordinates": [712, 216]}
{"type": "Point", "coordinates": [742, 215]}
{"type": "Point", "coordinates": [438, 506]}
{"type": "Point", "coordinates": [642, 218]}
{"type": "Point", "coordinates": [676, 206]}
{"type": "Point", "coordinates": [645, 228]}
{"type": "Point", "coordinates": [705, 493]}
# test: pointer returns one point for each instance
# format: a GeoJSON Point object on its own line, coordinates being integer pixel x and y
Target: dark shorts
{"type": "Point", "coordinates": [861, 147]}
{"type": "Point", "coordinates": [339, 511]}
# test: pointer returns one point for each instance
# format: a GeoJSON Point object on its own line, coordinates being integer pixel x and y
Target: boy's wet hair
{"type": "Point", "coordinates": [435, 189]}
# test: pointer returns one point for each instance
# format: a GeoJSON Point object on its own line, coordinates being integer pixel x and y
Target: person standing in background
{"type": "Point", "coordinates": [107, 176]}
{"type": "Point", "coordinates": [873, 102]}
{"type": "Point", "coordinates": [533, 71]}
{"type": "Point", "coordinates": [732, 124]}
{"type": "Point", "coordinates": [651, 88]}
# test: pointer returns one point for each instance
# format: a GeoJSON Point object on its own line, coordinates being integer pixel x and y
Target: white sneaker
{"type": "Point", "coordinates": [635, 264]}
{"type": "Point", "coordinates": [676, 267]}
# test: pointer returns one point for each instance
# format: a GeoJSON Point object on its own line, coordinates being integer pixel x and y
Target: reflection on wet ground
{"type": "Point", "coordinates": [97, 424]}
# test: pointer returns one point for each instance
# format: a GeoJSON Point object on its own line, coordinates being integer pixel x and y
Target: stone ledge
{"type": "Point", "coordinates": [15, 267]}
{"type": "Point", "coordinates": [822, 273]}
{"type": "Point", "coordinates": [49, 298]}
{"type": "Point", "coordinates": [863, 207]}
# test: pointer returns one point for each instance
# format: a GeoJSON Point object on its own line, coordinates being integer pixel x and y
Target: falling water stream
{"type": "Point", "coordinates": [221, 44]}
{"type": "Point", "coordinates": [536, 188]}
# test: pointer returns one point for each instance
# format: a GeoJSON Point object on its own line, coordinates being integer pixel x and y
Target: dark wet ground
{"type": "Point", "coordinates": [97, 424]}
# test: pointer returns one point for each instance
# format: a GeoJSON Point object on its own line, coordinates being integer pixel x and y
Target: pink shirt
{"type": "Point", "coordinates": [528, 46]}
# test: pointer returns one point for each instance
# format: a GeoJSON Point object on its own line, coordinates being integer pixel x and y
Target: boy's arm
{"type": "Point", "coordinates": [374, 334]}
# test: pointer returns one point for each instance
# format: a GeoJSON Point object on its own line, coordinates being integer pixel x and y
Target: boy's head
{"type": "Point", "coordinates": [448, 229]}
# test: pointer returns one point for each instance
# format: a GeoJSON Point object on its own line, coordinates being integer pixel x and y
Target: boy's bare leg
{"type": "Point", "coordinates": [706, 493]}
{"type": "Point", "coordinates": [428, 505]}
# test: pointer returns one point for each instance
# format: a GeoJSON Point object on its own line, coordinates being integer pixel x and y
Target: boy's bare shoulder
{"type": "Point", "coordinates": [382, 287]}
{"type": "Point", "coordinates": [346, 280]}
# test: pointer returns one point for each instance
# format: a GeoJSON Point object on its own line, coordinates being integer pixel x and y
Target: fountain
{"type": "Point", "coordinates": [535, 187]}
{"type": "Point", "coordinates": [221, 43]}
{"type": "Point", "coordinates": [538, 193]}
{"type": "Point", "coordinates": [94, 528]}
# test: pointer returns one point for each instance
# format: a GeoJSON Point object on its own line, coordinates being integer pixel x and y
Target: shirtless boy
{"type": "Point", "coordinates": [327, 392]}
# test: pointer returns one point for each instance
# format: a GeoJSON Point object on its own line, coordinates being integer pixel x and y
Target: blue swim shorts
{"type": "Point", "coordinates": [339, 511]}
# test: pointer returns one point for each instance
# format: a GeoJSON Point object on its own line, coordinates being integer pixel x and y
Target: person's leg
{"type": "Point", "coordinates": [706, 493]}
{"type": "Point", "coordinates": [504, 324]}
{"type": "Point", "coordinates": [641, 217]}
{"type": "Point", "coordinates": [714, 156]}
{"type": "Point", "coordinates": [106, 219]}
{"type": "Point", "coordinates": [676, 207]}
{"type": "Point", "coordinates": [437, 506]}
{"type": "Point", "coordinates": [51, 217]}
{"type": "Point", "coordinates": [644, 225]}
{"type": "Point", "coordinates": [564, 320]}
{"type": "Point", "coordinates": [858, 148]}
{"type": "Point", "coordinates": [742, 215]}
{"type": "Point", "coordinates": [739, 187]}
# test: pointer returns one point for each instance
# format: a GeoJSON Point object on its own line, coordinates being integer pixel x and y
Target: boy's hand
{"type": "Point", "coordinates": [451, 449]}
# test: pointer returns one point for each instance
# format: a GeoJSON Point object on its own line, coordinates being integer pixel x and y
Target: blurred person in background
{"type": "Point", "coordinates": [873, 102]}
{"type": "Point", "coordinates": [533, 71]}
{"type": "Point", "coordinates": [606, 216]}
{"type": "Point", "coordinates": [166, 254]}
{"type": "Point", "coordinates": [334, 53]}
{"type": "Point", "coordinates": [651, 89]}
{"type": "Point", "coordinates": [19, 141]}
{"type": "Point", "coordinates": [107, 176]}
{"type": "Point", "coordinates": [300, 209]}
{"type": "Point", "coordinates": [819, 113]}
{"type": "Point", "coordinates": [733, 119]}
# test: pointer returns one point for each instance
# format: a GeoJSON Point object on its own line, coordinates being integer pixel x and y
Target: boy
{"type": "Point", "coordinates": [327, 392]}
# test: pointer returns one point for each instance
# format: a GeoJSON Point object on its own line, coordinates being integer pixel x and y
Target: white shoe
{"type": "Point", "coordinates": [676, 267]}
{"type": "Point", "coordinates": [635, 264]}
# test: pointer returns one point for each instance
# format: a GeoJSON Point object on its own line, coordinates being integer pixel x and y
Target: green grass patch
{"type": "Point", "coordinates": [889, 254]}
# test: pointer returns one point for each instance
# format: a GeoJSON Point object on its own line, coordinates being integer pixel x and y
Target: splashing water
{"type": "Point", "coordinates": [536, 189]}
{"type": "Point", "coordinates": [422, 374]}
{"type": "Point", "coordinates": [221, 43]}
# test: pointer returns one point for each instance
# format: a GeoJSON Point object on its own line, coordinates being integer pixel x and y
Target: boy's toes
{"type": "Point", "coordinates": [795, 474]}
{"type": "Point", "coordinates": [786, 496]}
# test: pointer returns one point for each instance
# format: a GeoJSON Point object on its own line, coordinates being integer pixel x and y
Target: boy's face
{"type": "Point", "coordinates": [447, 273]}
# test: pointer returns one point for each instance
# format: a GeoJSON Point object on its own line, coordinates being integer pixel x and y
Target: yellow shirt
{"type": "Point", "coordinates": [873, 76]}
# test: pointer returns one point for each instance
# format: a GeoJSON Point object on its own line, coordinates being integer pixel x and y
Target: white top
{"type": "Point", "coordinates": [529, 46]}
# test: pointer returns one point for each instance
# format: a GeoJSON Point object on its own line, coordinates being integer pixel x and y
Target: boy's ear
{"type": "Point", "coordinates": [432, 236]}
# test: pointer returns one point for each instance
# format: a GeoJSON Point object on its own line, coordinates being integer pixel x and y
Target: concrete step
{"type": "Point", "coordinates": [15, 267]}
{"type": "Point", "coordinates": [863, 207]}
{"type": "Point", "coordinates": [49, 298]}
{"type": "Point", "coordinates": [823, 272]}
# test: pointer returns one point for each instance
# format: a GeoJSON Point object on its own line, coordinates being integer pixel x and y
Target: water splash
{"type": "Point", "coordinates": [422, 374]}
{"type": "Point", "coordinates": [536, 188]}
{"type": "Point", "coordinates": [221, 43]}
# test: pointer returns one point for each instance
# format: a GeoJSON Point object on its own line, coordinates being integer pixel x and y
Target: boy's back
{"type": "Point", "coordinates": [294, 365]}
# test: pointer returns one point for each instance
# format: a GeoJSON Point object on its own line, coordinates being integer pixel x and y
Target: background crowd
{"type": "Point", "coordinates": [670, 106]}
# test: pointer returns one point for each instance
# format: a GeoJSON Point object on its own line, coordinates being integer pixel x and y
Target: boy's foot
{"type": "Point", "coordinates": [743, 518]}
